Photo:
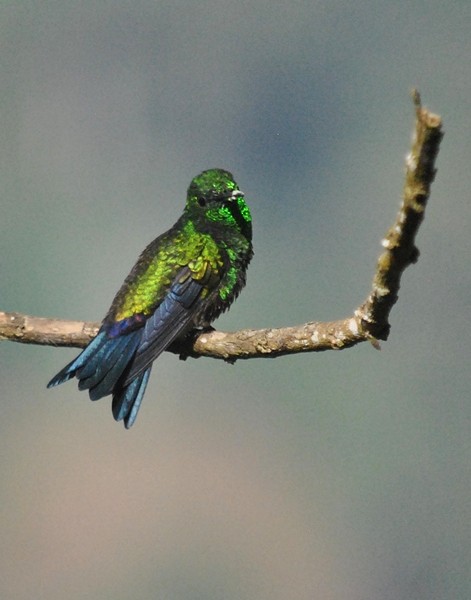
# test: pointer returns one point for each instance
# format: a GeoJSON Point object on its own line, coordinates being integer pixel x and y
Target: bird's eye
{"type": "Point", "coordinates": [201, 201]}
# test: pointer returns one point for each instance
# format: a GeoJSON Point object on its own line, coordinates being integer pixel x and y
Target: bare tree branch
{"type": "Point", "coordinates": [368, 323]}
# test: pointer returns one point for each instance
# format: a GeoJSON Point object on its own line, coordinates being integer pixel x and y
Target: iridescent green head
{"type": "Point", "coordinates": [214, 197]}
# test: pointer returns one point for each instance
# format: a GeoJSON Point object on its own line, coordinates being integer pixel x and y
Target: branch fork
{"type": "Point", "coordinates": [369, 322]}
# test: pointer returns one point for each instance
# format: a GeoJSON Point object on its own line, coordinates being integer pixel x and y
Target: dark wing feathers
{"type": "Point", "coordinates": [171, 318]}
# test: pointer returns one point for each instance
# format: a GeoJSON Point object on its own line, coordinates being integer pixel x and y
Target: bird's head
{"type": "Point", "coordinates": [214, 197]}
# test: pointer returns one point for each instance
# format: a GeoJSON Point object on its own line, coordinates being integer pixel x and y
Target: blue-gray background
{"type": "Point", "coordinates": [341, 476]}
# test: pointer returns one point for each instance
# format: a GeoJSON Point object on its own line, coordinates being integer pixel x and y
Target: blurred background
{"type": "Point", "coordinates": [339, 476]}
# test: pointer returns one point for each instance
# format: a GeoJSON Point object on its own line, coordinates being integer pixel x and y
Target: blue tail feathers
{"type": "Point", "coordinates": [102, 367]}
{"type": "Point", "coordinates": [127, 401]}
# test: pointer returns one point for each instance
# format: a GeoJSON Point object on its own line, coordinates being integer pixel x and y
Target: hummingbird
{"type": "Point", "coordinates": [181, 282]}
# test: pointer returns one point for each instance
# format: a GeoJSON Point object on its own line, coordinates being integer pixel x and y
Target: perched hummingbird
{"type": "Point", "coordinates": [183, 280]}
